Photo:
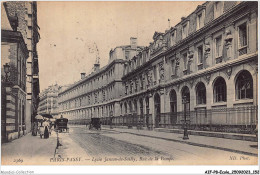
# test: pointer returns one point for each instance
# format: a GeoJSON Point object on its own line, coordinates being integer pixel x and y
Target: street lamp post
{"type": "Point", "coordinates": [185, 135]}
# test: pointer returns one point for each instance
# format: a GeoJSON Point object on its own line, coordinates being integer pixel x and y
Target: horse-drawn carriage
{"type": "Point", "coordinates": [95, 123]}
{"type": "Point", "coordinates": [62, 124]}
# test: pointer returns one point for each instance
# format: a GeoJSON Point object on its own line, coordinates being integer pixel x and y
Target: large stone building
{"type": "Point", "coordinates": [26, 15]}
{"type": "Point", "coordinates": [203, 69]}
{"type": "Point", "coordinates": [206, 65]}
{"type": "Point", "coordinates": [49, 101]}
{"type": "Point", "coordinates": [14, 55]}
{"type": "Point", "coordinates": [98, 94]}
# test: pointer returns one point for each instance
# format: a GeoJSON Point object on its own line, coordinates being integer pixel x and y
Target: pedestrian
{"type": "Point", "coordinates": [41, 129]}
{"type": "Point", "coordinates": [35, 128]}
{"type": "Point", "coordinates": [46, 129]}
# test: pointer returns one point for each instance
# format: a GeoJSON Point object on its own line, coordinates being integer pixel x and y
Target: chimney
{"type": "Point", "coordinates": [133, 42]}
{"type": "Point", "coordinates": [83, 74]}
{"type": "Point", "coordinates": [96, 67]}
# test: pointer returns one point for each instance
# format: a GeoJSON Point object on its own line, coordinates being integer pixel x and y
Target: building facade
{"type": "Point", "coordinates": [49, 101]}
{"type": "Point", "coordinates": [204, 69]}
{"type": "Point", "coordinates": [98, 94]}
{"type": "Point", "coordinates": [26, 13]}
{"type": "Point", "coordinates": [14, 56]}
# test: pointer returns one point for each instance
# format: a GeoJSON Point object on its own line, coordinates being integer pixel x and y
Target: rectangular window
{"type": "Point", "coordinates": [173, 67]}
{"type": "Point", "coordinates": [173, 38]}
{"type": "Point", "coordinates": [218, 42]}
{"type": "Point", "coordinates": [242, 35]}
{"type": "Point", "coordinates": [200, 54]}
{"type": "Point", "coordinates": [154, 73]}
{"type": "Point", "coordinates": [127, 55]}
{"type": "Point", "coordinates": [184, 31]}
{"type": "Point", "coordinates": [218, 9]}
{"type": "Point", "coordinates": [185, 61]}
{"type": "Point", "coordinates": [199, 21]}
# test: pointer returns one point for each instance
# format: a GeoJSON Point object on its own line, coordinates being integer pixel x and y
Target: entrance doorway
{"type": "Point", "coordinates": [186, 101]}
{"type": "Point", "coordinates": [173, 107]}
{"type": "Point", "coordinates": [157, 107]}
{"type": "Point", "coordinates": [141, 112]}
{"type": "Point", "coordinates": [147, 111]}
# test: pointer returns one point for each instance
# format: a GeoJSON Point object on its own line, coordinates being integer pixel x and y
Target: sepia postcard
{"type": "Point", "coordinates": [129, 83]}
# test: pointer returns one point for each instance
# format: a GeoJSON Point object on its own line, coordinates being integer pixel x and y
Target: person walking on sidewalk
{"type": "Point", "coordinates": [46, 126]}
{"type": "Point", "coordinates": [35, 128]}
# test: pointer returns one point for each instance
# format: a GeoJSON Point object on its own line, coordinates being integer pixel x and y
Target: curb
{"type": "Point", "coordinates": [195, 144]}
{"type": "Point", "coordinates": [233, 136]}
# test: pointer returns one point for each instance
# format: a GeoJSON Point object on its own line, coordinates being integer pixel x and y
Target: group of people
{"type": "Point", "coordinates": [43, 127]}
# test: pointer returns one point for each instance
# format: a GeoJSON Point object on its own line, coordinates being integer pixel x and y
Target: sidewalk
{"type": "Point", "coordinates": [69, 152]}
{"type": "Point", "coordinates": [227, 135]}
{"type": "Point", "coordinates": [29, 150]}
{"type": "Point", "coordinates": [237, 146]}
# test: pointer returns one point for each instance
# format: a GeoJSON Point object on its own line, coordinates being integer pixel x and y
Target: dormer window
{"type": "Point", "coordinates": [200, 12]}
{"type": "Point", "coordinates": [218, 8]}
{"type": "Point", "coordinates": [184, 31]}
{"type": "Point", "coordinates": [127, 55]}
{"type": "Point", "coordinates": [173, 37]}
{"type": "Point", "coordinates": [200, 20]}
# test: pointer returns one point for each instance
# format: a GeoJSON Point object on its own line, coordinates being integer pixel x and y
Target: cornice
{"type": "Point", "coordinates": [219, 67]}
{"type": "Point", "coordinates": [14, 37]}
{"type": "Point", "coordinates": [91, 76]}
{"type": "Point", "coordinates": [93, 91]}
{"type": "Point", "coordinates": [92, 106]}
{"type": "Point", "coordinates": [198, 34]}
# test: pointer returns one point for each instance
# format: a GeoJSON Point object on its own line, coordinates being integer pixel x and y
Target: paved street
{"type": "Point", "coordinates": [126, 146]}
{"type": "Point", "coordinates": [114, 143]}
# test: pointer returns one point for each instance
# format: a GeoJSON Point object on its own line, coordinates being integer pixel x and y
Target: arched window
{"type": "Point", "coordinates": [201, 93]}
{"type": "Point", "coordinates": [135, 106]}
{"type": "Point", "coordinates": [130, 107]}
{"type": "Point", "coordinates": [141, 107]}
{"type": "Point", "coordinates": [244, 85]}
{"type": "Point", "coordinates": [173, 107]}
{"type": "Point", "coordinates": [173, 101]}
{"type": "Point", "coordinates": [157, 107]}
{"type": "Point", "coordinates": [147, 103]}
{"type": "Point", "coordinates": [220, 90]}
{"type": "Point", "coordinates": [125, 108]}
{"type": "Point", "coordinates": [186, 98]}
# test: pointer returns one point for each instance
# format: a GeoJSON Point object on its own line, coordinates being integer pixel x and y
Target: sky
{"type": "Point", "coordinates": [71, 31]}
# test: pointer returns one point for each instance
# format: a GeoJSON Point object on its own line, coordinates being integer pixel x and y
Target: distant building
{"type": "Point", "coordinates": [98, 94]}
{"type": "Point", "coordinates": [26, 14]}
{"type": "Point", "coordinates": [14, 55]}
{"type": "Point", "coordinates": [49, 101]}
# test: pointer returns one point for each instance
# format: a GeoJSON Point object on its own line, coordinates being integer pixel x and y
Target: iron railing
{"type": "Point", "coordinates": [240, 119]}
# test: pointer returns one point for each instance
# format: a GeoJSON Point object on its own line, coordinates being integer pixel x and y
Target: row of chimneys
{"type": "Point", "coordinates": [96, 68]}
